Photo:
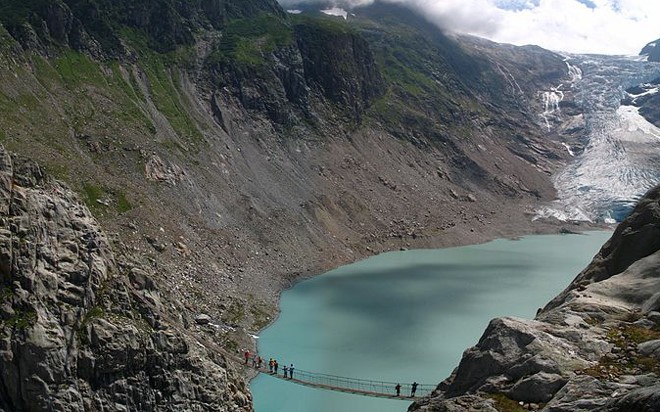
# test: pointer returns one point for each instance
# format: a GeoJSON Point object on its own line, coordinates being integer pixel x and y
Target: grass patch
{"type": "Point", "coordinates": [632, 333]}
{"type": "Point", "coordinates": [626, 363]}
{"type": "Point", "coordinates": [246, 41]}
{"type": "Point", "coordinates": [640, 335]}
{"type": "Point", "coordinates": [78, 69]}
{"type": "Point", "coordinates": [234, 314]}
{"type": "Point", "coordinates": [59, 171]}
{"type": "Point", "coordinates": [129, 112]}
{"type": "Point", "coordinates": [21, 320]}
{"type": "Point", "coordinates": [81, 331]}
{"type": "Point", "coordinates": [505, 404]}
{"type": "Point", "coordinates": [163, 84]}
{"type": "Point", "coordinates": [94, 312]}
{"type": "Point", "coordinates": [44, 72]}
{"type": "Point", "coordinates": [230, 345]}
{"type": "Point", "coordinates": [260, 315]}
{"type": "Point", "coordinates": [92, 193]}
{"type": "Point", "coordinates": [123, 205]}
{"type": "Point", "coordinates": [6, 293]}
{"type": "Point", "coordinates": [167, 100]}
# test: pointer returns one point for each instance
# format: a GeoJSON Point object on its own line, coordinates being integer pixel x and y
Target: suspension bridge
{"type": "Point", "coordinates": [364, 387]}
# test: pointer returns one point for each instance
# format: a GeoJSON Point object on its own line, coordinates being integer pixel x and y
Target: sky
{"type": "Point", "coordinates": [577, 26]}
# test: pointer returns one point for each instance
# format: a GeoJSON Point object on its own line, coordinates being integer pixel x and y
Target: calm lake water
{"type": "Point", "coordinates": [406, 316]}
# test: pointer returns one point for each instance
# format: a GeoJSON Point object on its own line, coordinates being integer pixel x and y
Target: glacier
{"type": "Point", "coordinates": [620, 160]}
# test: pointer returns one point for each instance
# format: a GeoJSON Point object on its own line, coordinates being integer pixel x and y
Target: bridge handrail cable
{"type": "Point", "coordinates": [363, 385]}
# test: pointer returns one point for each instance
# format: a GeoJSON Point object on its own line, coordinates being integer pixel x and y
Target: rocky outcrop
{"type": "Point", "coordinates": [646, 98]}
{"type": "Point", "coordinates": [652, 51]}
{"type": "Point", "coordinates": [83, 328]}
{"type": "Point", "coordinates": [594, 347]}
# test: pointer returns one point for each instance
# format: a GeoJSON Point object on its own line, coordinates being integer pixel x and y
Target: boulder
{"type": "Point", "coordinates": [650, 348]}
{"type": "Point", "coordinates": [643, 399]}
{"type": "Point", "coordinates": [202, 319]}
{"type": "Point", "coordinates": [538, 388]}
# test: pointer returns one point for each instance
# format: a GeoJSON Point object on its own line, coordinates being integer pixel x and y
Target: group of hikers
{"type": "Point", "coordinates": [413, 389]}
{"type": "Point", "coordinates": [273, 365]}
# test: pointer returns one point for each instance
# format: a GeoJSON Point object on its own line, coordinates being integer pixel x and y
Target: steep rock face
{"type": "Point", "coordinates": [594, 347]}
{"type": "Point", "coordinates": [82, 329]}
{"type": "Point", "coordinates": [341, 65]}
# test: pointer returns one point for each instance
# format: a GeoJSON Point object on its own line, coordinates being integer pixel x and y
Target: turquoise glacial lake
{"type": "Point", "coordinates": [408, 316]}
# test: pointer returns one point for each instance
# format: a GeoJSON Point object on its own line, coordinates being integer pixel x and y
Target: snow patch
{"type": "Point", "coordinates": [632, 121]}
{"type": "Point", "coordinates": [650, 90]}
{"type": "Point", "coordinates": [563, 213]}
{"type": "Point", "coordinates": [570, 151]}
{"type": "Point", "coordinates": [294, 11]}
{"type": "Point", "coordinates": [336, 11]}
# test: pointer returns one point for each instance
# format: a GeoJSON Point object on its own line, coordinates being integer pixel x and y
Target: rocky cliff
{"type": "Point", "coordinates": [83, 327]}
{"type": "Point", "coordinates": [594, 347]}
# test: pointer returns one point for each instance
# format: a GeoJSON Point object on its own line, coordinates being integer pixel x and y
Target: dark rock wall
{"type": "Point", "coordinates": [340, 65]}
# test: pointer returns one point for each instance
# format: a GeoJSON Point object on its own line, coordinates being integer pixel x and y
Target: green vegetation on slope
{"type": "Point", "coordinates": [245, 41]}
{"type": "Point", "coordinates": [163, 81]}
{"type": "Point", "coordinates": [71, 112]}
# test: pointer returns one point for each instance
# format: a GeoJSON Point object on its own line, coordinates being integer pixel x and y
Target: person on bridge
{"type": "Point", "coordinates": [398, 389]}
{"type": "Point", "coordinates": [275, 366]}
{"type": "Point", "coordinates": [271, 363]}
{"type": "Point", "coordinates": [260, 361]}
{"type": "Point", "coordinates": [413, 389]}
{"type": "Point", "coordinates": [286, 371]}
{"type": "Point", "coordinates": [291, 371]}
{"type": "Point", "coordinates": [246, 355]}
